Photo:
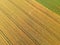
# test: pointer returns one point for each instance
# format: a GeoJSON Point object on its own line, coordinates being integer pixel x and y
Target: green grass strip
{"type": "Point", "coordinates": [53, 5]}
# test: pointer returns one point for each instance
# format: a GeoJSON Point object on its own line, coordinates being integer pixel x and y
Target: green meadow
{"type": "Point", "coordinates": [53, 5]}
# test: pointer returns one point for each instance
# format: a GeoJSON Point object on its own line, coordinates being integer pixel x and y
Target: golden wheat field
{"type": "Point", "coordinates": [27, 22]}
